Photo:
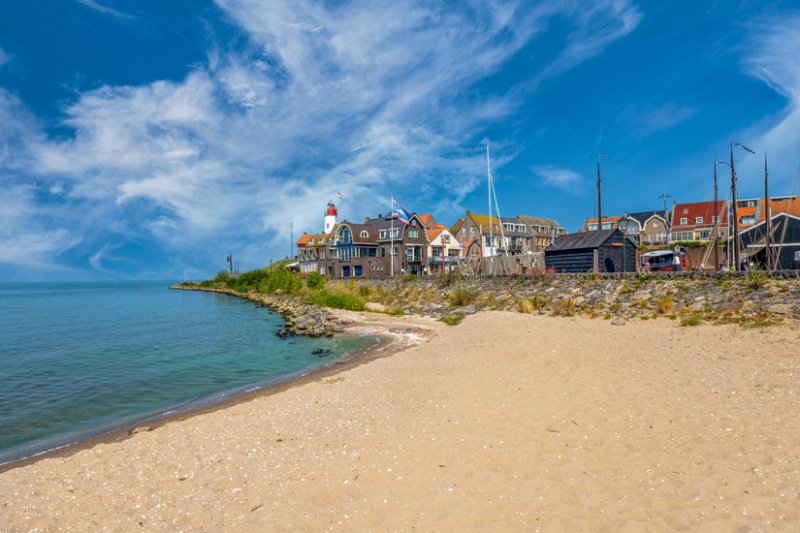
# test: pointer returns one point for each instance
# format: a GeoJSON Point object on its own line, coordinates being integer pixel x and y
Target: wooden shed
{"type": "Point", "coordinates": [785, 243]}
{"type": "Point", "coordinates": [606, 250]}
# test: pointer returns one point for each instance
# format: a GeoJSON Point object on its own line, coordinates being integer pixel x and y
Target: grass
{"type": "Point", "coordinates": [563, 307]}
{"type": "Point", "coordinates": [337, 300]}
{"type": "Point", "coordinates": [691, 321]}
{"type": "Point", "coordinates": [452, 320]}
{"type": "Point", "coordinates": [462, 295]}
{"type": "Point", "coordinates": [395, 312]}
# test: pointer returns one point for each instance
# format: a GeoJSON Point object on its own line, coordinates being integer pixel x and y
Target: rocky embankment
{"type": "Point", "coordinates": [300, 317]}
{"type": "Point", "coordinates": [712, 298]}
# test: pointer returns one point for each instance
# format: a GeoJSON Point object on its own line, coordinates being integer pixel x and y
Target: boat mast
{"type": "Point", "coordinates": [735, 265]}
{"type": "Point", "coordinates": [599, 199]}
{"type": "Point", "coordinates": [767, 214]}
{"type": "Point", "coordinates": [716, 225]}
{"type": "Point", "coordinates": [489, 197]}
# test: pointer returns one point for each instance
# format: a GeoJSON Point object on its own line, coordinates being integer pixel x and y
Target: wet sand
{"type": "Point", "coordinates": [506, 422]}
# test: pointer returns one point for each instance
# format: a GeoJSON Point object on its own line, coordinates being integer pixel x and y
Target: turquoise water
{"type": "Point", "coordinates": [81, 359]}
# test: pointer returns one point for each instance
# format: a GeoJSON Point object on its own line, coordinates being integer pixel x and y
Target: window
{"type": "Point", "coordinates": [445, 239]}
{"type": "Point", "coordinates": [747, 220]}
{"type": "Point", "coordinates": [714, 219]}
{"type": "Point", "coordinates": [684, 221]}
{"type": "Point", "coordinates": [655, 224]}
{"type": "Point", "coordinates": [383, 252]}
{"type": "Point", "coordinates": [364, 234]}
{"type": "Point", "coordinates": [698, 220]}
{"type": "Point", "coordinates": [751, 203]}
{"type": "Point", "coordinates": [797, 255]}
{"type": "Point", "coordinates": [382, 234]}
{"type": "Point", "coordinates": [372, 252]}
{"type": "Point", "coordinates": [472, 229]}
{"type": "Point", "coordinates": [413, 233]}
{"type": "Point", "coordinates": [705, 234]}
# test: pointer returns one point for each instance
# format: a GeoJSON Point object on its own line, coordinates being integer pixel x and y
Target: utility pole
{"type": "Point", "coordinates": [768, 216]}
{"type": "Point", "coordinates": [229, 259]}
{"type": "Point", "coordinates": [735, 207]}
{"type": "Point", "coordinates": [291, 240]}
{"type": "Point", "coordinates": [599, 194]}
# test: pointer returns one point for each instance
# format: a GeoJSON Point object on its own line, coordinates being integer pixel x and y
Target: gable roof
{"type": "Point", "coordinates": [583, 240]}
{"type": "Point", "coordinates": [642, 216]}
{"type": "Point", "coordinates": [304, 238]}
{"type": "Point", "coordinates": [539, 221]}
{"type": "Point", "coordinates": [691, 211]}
{"type": "Point", "coordinates": [427, 219]}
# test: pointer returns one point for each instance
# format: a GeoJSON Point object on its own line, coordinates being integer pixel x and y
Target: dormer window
{"type": "Point", "coordinates": [698, 220]}
{"type": "Point", "coordinates": [684, 221]}
{"type": "Point", "coordinates": [364, 234]}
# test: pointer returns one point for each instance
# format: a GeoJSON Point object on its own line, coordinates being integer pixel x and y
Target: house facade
{"type": "Point", "coordinates": [696, 221]}
{"type": "Point", "coordinates": [608, 223]}
{"type": "Point", "coordinates": [542, 231]}
{"type": "Point", "coordinates": [444, 250]}
{"type": "Point", "coordinates": [645, 227]}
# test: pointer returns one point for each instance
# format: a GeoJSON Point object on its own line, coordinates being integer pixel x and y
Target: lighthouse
{"type": "Point", "coordinates": [330, 218]}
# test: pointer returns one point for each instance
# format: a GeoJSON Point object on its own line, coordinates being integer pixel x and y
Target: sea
{"type": "Point", "coordinates": [79, 360]}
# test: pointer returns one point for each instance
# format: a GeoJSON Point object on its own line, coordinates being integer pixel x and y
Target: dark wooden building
{"type": "Point", "coordinates": [785, 243]}
{"type": "Point", "coordinates": [607, 250]}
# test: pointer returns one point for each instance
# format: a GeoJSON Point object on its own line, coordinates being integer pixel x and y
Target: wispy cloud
{"type": "Point", "coordinates": [368, 98]}
{"type": "Point", "coordinates": [561, 178]}
{"type": "Point", "coordinates": [772, 58]}
{"type": "Point", "coordinates": [91, 4]}
{"type": "Point", "coordinates": [644, 121]}
{"type": "Point", "coordinates": [3, 57]}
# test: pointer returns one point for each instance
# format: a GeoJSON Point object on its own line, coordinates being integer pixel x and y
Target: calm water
{"type": "Point", "coordinates": [81, 359]}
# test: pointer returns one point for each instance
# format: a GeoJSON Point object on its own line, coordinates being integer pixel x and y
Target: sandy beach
{"type": "Point", "coordinates": [507, 422]}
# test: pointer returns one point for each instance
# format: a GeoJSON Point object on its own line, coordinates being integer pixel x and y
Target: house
{"type": "Point", "coordinates": [695, 221]}
{"type": "Point", "coordinates": [646, 227]}
{"type": "Point", "coordinates": [751, 211]}
{"type": "Point", "coordinates": [608, 250]}
{"type": "Point", "coordinates": [355, 250]}
{"type": "Point", "coordinates": [402, 248]}
{"type": "Point", "coordinates": [608, 223]}
{"type": "Point", "coordinates": [494, 235]}
{"type": "Point", "coordinates": [784, 244]}
{"type": "Point", "coordinates": [542, 231]}
{"type": "Point", "coordinates": [444, 250]}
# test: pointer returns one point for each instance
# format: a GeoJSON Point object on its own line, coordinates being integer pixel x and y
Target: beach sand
{"type": "Point", "coordinates": [507, 422]}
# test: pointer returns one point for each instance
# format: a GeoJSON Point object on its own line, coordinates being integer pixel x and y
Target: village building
{"type": "Point", "coordinates": [696, 221]}
{"type": "Point", "coordinates": [494, 236]}
{"type": "Point", "coordinates": [751, 211]}
{"type": "Point", "coordinates": [542, 231]}
{"type": "Point", "coordinates": [608, 250]}
{"type": "Point", "coordinates": [608, 223]}
{"type": "Point", "coordinates": [355, 250]}
{"type": "Point", "coordinates": [646, 227]}
{"type": "Point", "coordinates": [444, 250]}
{"type": "Point", "coordinates": [784, 243]}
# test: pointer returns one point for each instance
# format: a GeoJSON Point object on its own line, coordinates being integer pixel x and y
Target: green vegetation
{"type": "Point", "coordinates": [315, 281]}
{"type": "Point", "coordinates": [693, 320]}
{"type": "Point", "coordinates": [452, 320]}
{"type": "Point", "coordinates": [396, 311]}
{"type": "Point", "coordinates": [410, 277]}
{"type": "Point", "coordinates": [665, 304]}
{"type": "Point", "coordinates": [462, 295]}
{"type": "Point", "coordinates": [338, 300]}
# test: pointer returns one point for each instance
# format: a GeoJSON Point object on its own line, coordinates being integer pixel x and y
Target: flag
{"type": "Point", "coordinates": [339, 195]}
{"type": "Point", "coordinates": [400, 213]}
{"type": "Point", "coordinates": [461, 245]}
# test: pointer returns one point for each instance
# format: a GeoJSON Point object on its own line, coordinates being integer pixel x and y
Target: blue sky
{"type": "Point", "coordinates": [148, 139]}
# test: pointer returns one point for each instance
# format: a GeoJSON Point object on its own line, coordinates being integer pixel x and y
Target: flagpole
{"type": "Point", "coordinates": [391, 233]}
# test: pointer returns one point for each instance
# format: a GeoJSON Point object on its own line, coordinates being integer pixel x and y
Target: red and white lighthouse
{"type": "Point", "coordinates": [330, 218]}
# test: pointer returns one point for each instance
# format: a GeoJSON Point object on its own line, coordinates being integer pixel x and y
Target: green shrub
{"type": "Point", "coordinates": [452, 320]}
{"type": "Point", "coordinates": [462, 295]}
{"type": "Point", "coordinates": [397, 311]}
{"type": "Point", "coordinates": [691, 321]}
{"type": "Point", "coordinates": [410, 277]}
{"type": "Point", "coordinates": [315, 281]}
{"type": "Point", "coordinates": [338, 301]}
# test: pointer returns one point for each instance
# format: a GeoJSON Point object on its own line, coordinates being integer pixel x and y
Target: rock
{"type": "Point", "coordinates": [783, 309]}
{"type": "Point", "coordinates": [376, 307]}
{"type": "Point", "coordinates": [641, 295]}
{"type": "Point", "coordinates": [617, 322]}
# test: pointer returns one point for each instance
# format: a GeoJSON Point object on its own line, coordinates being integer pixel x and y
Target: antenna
{"type": "Point", "coordinates": [599, 195]}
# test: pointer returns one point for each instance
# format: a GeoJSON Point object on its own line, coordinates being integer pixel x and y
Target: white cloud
{"type": "Point", "coordinates": [105, 9]}
{"type": "Point", "coordinates": [560, 178]}
{"type": "Point", "coordinates": [645, 121]}
{"type": "Point", "coordinates": [772, 58]}
{"type": "Point", "coordinates": [366, 98]}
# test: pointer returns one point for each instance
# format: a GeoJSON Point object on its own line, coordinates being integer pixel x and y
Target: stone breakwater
{"type": "Point", "coordinates": [300, 317]}
{"type": "Point", "coordinates": [714, 297]}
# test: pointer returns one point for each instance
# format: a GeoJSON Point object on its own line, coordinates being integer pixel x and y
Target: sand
{"type": "Point", "coordinates": [506, 422]}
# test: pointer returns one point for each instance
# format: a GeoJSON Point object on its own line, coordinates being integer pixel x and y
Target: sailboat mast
{"type": "Point", "coordinates": [717, 224]}
{"type": "Point", "coordinates": [599, 198]}
{"type": "Point", "coordinates": [735, 235]}
{"type": "Point", "coordinates": [489, 194]}
{"type": "Point", "coordinates": [767, 215]}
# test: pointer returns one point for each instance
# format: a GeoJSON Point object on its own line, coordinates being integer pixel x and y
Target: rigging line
{"type": "Point", "coordinates": [497, 208]}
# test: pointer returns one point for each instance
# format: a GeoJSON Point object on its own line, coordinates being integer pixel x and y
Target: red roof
{"type": "Point", "coordinates": [303, 240]}
{"type": "Point", "coordinates": [698, 210]}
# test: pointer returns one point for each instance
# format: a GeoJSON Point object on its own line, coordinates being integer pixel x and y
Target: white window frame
{"type": "Point", "coordinates": [684, 221]}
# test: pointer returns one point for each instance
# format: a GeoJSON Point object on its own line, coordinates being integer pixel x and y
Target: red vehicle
{"type": "Point", "coordinates": [665, 261]}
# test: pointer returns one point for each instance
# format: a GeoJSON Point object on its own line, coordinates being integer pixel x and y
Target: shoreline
{"type": "Point", "coordinates": [386, 340]}
{"type": "Point", "coordinates": [504, 422]}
